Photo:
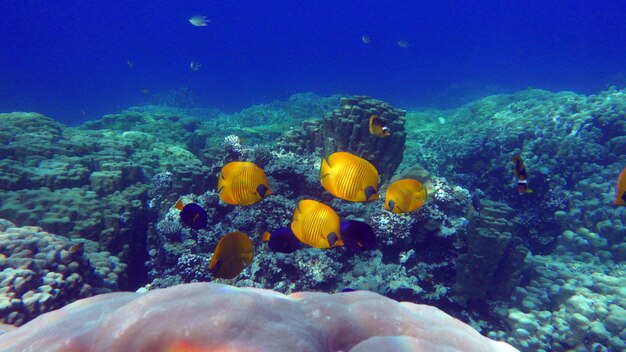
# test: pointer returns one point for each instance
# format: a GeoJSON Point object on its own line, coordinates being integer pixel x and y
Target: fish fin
{"type": "Point", "coordinates": [216, 267]}
{"type": "Point", "coordinates": [262, 190]}
{"type": "Point", "coordinates": [179, 205]}
{"type": "Point", "coordinates": [370, 191]}
{"type": "Point", "coordinates": [324, 168]}
{"type": "Point", "coordinates": [371, 124]}
{"type": "Point", "coordinates": [220, 189]}
{"type": "Point", "coordinates": [528, 190]}
{"type": "Point", "coordinates": [332, 239]}
{"type": "Point", "coordinates": [266, 236]}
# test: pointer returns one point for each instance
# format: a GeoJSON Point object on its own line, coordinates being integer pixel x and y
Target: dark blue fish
{"type": "Point", "coordinates": [192, 215]}
{"type": "Point", "coordinates": [348, 289]}
{"type": "Point", "coordinates": [282, 240]}
{"type": "Point", "coordinates": [357, 235]}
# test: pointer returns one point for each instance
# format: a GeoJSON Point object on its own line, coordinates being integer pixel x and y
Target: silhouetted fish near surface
{"type": "Point", "coordinates": [234, 252]}
{"type": "Point", "coordinates": [192, 215]}
{"type": "Point", "coordinates": [365, 39]}
{"type": "Point", "coordinates": [282, 240]}
{"type": "Point", "coordinates": [195, 65]}
{"type": "Point", "coordinates": [199, 21]}
{"type": "Point", "coordinates": [357, 235]}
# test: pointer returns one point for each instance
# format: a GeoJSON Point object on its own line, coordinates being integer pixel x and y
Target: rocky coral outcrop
{"type": "Point", "coordinates": [347, 129]}
{"type": "Point", "coordinates": [494, 261]}
{"type": "Point", "coordinates": [211, 316]}
{"type": "Point", "coordinates": [42, 272]}
{"type": "Point", "coordinates": [89, 184]}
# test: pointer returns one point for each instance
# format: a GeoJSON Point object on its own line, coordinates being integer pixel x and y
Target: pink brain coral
{"type": "Point", "coordinates": [216, 317]}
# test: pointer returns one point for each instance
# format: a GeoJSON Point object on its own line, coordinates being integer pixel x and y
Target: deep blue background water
{"type": "Point", "coordinates": [68, 59]}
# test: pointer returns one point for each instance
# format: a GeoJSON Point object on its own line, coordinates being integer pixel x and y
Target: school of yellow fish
{"type": "Point", "coordinates": [342, 174]}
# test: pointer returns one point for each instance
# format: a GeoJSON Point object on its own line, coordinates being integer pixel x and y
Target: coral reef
{"type": "Point", "coordinates": [573, 147]}
{"type": "Point", "coordinates": [416, 255]}
{"type": "Point", "coordinates": [89, 184]}
{"type": "Point", "coordinates": [347, 129]}
{"type": "Point", "coordinates": [42, 272]}
{"type": "Point", "coordinates": [542, 271]}
{"type": "Point", "coordinates": [208, 316]}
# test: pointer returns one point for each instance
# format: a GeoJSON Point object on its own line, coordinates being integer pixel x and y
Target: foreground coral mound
{"type": "Point", "coordinates": [216, 317]}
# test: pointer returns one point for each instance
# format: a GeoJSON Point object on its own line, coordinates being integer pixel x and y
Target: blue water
{"type": "Point", "coordinates": [68, 59]}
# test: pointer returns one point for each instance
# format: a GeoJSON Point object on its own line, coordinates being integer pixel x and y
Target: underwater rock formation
{"type": "Point", "coordinates": [208, 316]}
{"type": "Point", "coordinates": [42, 272]}
{"type": "Point", "coordinates": [494, 260]}
{"type": "Point", "coordinates": [347, 129]}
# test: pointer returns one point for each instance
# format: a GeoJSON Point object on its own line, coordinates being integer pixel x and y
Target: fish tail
{"type": "Point", "coordinates": [266, 236]}
{"type": "Point", "coordinates": [179, 204]}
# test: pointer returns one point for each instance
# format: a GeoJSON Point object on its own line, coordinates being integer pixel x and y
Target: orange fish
{"type": "Point", "coordinates": [233, 253]}
{"type": "Point", "coordinates": [405, 196]}
{"type": "Point", "coordinates": [316, 224]}
{"type": "Point", "coordinates": [242, 183]}
{"type": "Point", "coordinates": [620, 190]}
{"type": "Point", "coordinates": [378, 127]}
{"type": "Point", "coordinates": [519, 171]}
{"type": "Point", "coordinates": [349, 177]}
